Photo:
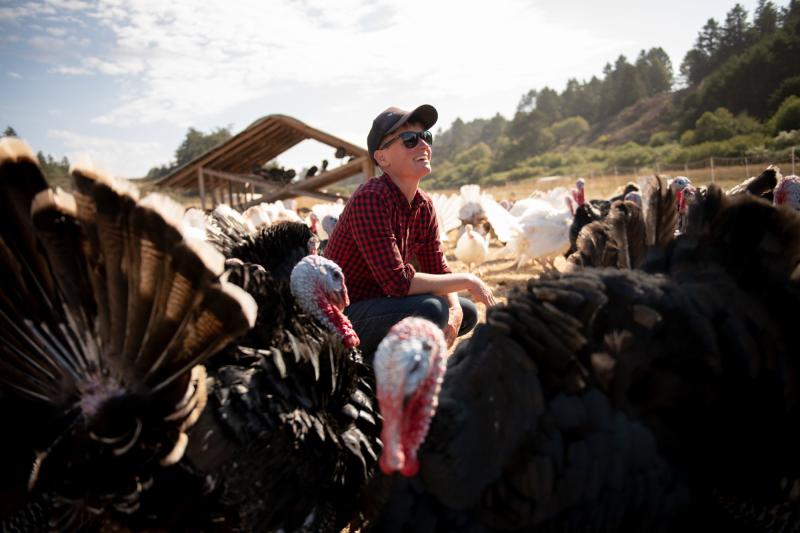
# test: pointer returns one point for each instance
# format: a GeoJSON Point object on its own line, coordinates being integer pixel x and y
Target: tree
{"type": "Point", "coordinates": [735, 33]}
{"type": "Point", "coordinates": [655, 70]}
{"type": "Point", "coordinates": [197, 143]}
{"type": "Point", "coordinates": [9, 132]}
{"type": "Point", "coordinates": [548, 102]}
{"type": "Point", "coordinates": [765, 19]}
{"type": "Point", "coordinates": [626, 87]}
{"type": "Point", "coordinates": [492, 130]}
{"type": "Point", "coordinates": [704, 57]}
{"type": "Point", "coordinates": [709, 40]}
{"type": "Point", "coordinates": [528, 101]}
{"type": "Point", "coordinates": [56, 172]}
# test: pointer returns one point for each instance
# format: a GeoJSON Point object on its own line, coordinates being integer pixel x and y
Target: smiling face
{"type": "Point", "coordinates": [403, 162]}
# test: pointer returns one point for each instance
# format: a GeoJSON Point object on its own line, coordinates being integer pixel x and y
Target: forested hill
{"type": "Point", "coordinates": [736, 90]}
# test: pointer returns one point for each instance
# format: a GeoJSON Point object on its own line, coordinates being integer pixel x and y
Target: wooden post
{"type": "Point", "coordinates": [202, 186]}
{"type": "Point", "coordinates": [746, 169]}
{"type": "Point", "coordinates": [712, 170]}
{"type": "Point", "coordinates": [368, 168]}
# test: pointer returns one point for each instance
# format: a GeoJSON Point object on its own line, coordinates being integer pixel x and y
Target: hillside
{"type": "Point", "coordinates": [741, 100]}
{"type": "Point", "coordinates": [638, 122]}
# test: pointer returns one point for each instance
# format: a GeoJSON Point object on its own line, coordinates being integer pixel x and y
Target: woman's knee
{"type": "Point", "coordinates": [434, 309]}
{"type": "Point", "coordinates": [470, 316]}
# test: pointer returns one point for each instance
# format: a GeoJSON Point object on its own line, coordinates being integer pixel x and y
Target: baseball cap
{"type": "Point", "coordinates": [393, 117]}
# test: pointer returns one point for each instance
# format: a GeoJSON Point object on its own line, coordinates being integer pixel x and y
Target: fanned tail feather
{"type": "Point", "coordinates": [106, 313]}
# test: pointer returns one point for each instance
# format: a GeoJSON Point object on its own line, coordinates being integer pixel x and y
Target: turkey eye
{"type": "Point", "coordinates": [426, 346]}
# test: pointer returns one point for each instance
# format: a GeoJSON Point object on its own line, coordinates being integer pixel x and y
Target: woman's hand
{"type": "Point", "coordinates": [481, 292]}
{"type": "Point", "coordinates": [453, 324]}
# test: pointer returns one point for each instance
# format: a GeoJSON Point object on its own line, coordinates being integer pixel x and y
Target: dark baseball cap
{"type": "Point", "coordinates": [392, 118]}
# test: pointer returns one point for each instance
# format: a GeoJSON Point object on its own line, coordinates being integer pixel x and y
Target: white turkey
{"type": "Point", "coordinates": [328, 214]}
{"type": "Point", "coordinates": [542, 231]}
{"type": "Point", "coordinates": [477, 208]}
{"type": "Point", "coordinates": [610, 400]}
{"type": "Point", "coordinates": [555, 197]}
{"type": "Point", "coordinates": [471, 211]}
{"type": "Point", "coordinates": [256, 217]}
{"type": "Point", "coordinates": [447, 213]}
{"type": "Point", "coordinates": [471, 248]}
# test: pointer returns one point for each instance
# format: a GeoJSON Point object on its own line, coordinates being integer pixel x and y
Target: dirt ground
{"type": "Point", "coordinates": [499, 272]}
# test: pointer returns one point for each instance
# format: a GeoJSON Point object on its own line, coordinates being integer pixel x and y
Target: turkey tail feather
{"type": "Point", "coordinates": [106, 310]}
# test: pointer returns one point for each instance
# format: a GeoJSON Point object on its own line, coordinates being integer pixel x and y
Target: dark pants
{"type": "Point", "coordinates": [372, 319]}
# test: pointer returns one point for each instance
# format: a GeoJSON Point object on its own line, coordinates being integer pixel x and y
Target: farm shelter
{"type": "Point", "coordinates": [226, 173]}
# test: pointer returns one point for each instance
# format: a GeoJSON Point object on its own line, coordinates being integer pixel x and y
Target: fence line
{"type": "Point", "coordinates": [784, 160]}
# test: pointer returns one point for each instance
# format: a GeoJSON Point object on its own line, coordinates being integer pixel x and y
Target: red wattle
{"type": "Point", "coordinates": [340, 322]}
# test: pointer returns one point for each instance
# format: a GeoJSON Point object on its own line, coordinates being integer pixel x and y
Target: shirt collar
{"type": "Point", "coordinates": [398, 194]}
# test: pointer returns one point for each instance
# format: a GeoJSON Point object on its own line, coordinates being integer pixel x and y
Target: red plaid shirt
{"type": "Point", "coordinates": [379, 234]}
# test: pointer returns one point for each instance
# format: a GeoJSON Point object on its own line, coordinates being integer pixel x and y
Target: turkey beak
{"type": "Point", "coordinates": [313, 245]}
{"type": "Point", "coordinates": [339, 298]}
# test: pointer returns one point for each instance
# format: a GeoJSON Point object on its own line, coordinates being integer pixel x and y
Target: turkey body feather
{"type": "Point", "coordinates": [623, 400]}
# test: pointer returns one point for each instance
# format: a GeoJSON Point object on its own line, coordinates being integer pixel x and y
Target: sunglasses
{"type": "Point", "coordinates": [410, 139]}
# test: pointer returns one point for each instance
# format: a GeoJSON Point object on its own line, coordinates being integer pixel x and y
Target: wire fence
{"type": "Point", "coordinates": [715, 166]}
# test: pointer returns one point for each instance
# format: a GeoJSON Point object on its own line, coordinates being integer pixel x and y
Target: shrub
{"type": "Point", "coordinates": [569, 128]}
{"type": "Point", "coordinates": [716, 126]}
{"type": "Point", "coordinates": [787, 117]}
{"type": "Point", "coordinates": [687, 138]}
{"type": "Point", "coordinates": [786, 139]}
{"type": "Point", "coordinates": [660, 138]}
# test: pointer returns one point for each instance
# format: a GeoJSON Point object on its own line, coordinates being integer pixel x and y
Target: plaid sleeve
{"type": "Point", "coordinates": [430, 255]}
{"type": "Point", "coordinates": [377, 243]}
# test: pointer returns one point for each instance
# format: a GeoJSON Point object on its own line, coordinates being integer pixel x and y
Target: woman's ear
{"type": "Point", "coordinates": [383, 162]}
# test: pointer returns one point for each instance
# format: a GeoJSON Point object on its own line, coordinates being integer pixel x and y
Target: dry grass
{"type": "Point", "coordinates": [607, 186]}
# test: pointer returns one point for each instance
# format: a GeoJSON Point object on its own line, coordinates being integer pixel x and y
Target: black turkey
{"type": "Point", "coordinates": [761, 185]}
{"type": "Point", "coordinates": [290, 435]}
{"type": "Point", "coordinates": [617, 240]}
{"type": "Point", "coordinates": [610, 400]}
{"type": "Point", "coordinates": [277, 248]}
{"type": "Point", "coordinates": [106, 314]}
{"type": "Point", "coordinates": [584, 213]}
{"type": "Point", "coordinates": [629, 232]}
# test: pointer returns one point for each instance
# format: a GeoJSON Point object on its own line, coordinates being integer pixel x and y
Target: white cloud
{"type": "Point", "coordinates": [127, 159]}
{"type": "Point", "coordinates": [71, 71]}
{"type": "Point", "coordinates": [29, 9]}
{"type": "Point", "coordinates": [196, 60]}
{"type": "Point", "coordinates": [71, 5]}
{"type": "Point", "coordinates": [15, 75]}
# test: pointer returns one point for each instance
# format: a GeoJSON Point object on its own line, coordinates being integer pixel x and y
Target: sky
{"type": "Point", "coordinates": [121, 81]}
